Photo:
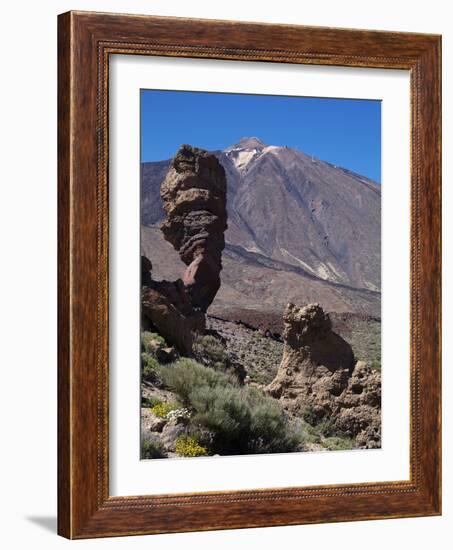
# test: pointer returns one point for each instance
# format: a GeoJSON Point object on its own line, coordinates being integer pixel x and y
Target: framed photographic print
{"type": "Point", "coordinates": [249, 275]}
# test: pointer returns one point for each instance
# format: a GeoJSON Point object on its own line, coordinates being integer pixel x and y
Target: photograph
{"type": "Point", "coordinates": [260, 274]}
{"type": "Point", "coordinates": [229, 221]}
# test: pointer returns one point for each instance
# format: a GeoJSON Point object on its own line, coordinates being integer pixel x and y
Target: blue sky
{"type": "Point", "coordinates": [345, 132]}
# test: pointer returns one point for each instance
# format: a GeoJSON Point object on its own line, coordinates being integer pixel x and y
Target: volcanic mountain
{"type": "Point", "coordinates": [299, 229]}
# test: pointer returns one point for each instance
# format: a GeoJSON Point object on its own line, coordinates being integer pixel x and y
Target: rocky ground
{"type": "Point", "coordinates": [363, 334]}
{"type": "Point", "coordinates": [260, 349]}
{"type": "Point", "coordinates": [257, 354]}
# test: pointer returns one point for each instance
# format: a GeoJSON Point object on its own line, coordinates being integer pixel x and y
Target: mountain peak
{"type": "Point", "coordinates": [247, 143]}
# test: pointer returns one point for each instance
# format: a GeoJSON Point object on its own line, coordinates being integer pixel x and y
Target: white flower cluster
{"type": "Point", "coordinates": [178, 413]}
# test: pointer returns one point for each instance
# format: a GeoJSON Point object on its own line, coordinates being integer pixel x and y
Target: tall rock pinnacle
{"type": "Point", "coordinates": [194, 199]}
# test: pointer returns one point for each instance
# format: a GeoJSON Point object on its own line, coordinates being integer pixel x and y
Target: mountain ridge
{"type": "Point", "coordinates": [332, 218]}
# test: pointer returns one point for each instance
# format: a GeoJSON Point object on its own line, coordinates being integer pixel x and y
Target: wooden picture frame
{"type": "Point", "coordinates": [85, 42]}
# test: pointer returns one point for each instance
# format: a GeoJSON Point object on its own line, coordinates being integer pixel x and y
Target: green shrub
{"type": "Point", "coordinates": [309, 434]}
{"type": "Point", "coordinates": [151, 340]}
{"type": "Point", "coordinates": [150, 401]}
{"type": "Point", "coordinates": [186, 375]}
{"type": "Point", "coordinates": [322, 435]}
{"type": "Point", "coordinates": [376, 365]}
{"type": "Point", "coordinates": [270, 431]}
{"type": "Point", "coordinates": [211, 352]}
{"type": "Point", "coordinates": [187, 445]}
{"type": "Point", "coordinates": [149, 367]}
{"type": "Point", "coordinates": [204, 436]}
{"type": "Point", "coordinates": [153, 448]}
{"type": "Point", "coordinates": [224, 412]}
{"type": "Point", "coordinates": [331, 438]}
{"type": "Point", "coordinates": [162, 409]}
{"type": "Point", "coordinates": [262, 378]}
{"type": "Point", "coordinates": [240, 419]}
{"type": "Point", "coordinates": [338, 443]}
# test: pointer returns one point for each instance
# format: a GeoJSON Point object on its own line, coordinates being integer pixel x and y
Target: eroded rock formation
{"type": "Point", "coordinates": [319, 379]}
{"type": "Point", "coordinates": [194, 199]}
{"type": "Point", "coordinates": [166, 307]}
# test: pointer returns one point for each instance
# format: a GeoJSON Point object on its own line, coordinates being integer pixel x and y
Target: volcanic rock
{"type": "Point", "coordinates": [319, 379]}
{"type": "Point", "coordinates": [194, 199]}
{"type": "Point", "coordinates": [312, 354]}
{"type": "Point", "coordinates": [173, 430]}
{"type": "Point", "coordinates": [167, 309]}
{"type": "Point", "coordinates": [151, 422]}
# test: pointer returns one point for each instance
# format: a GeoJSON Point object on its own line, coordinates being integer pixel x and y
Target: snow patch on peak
{"type": "Point", "coordinates": [247, 143]}
{"type": "Point", "coordinates": [243, 158]}
{"type": "Point", "coordinates": [272, 148]}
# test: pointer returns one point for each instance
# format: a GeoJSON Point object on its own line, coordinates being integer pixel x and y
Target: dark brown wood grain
{"type": "Point", "coordinates": [85, 42]}
{"type": "Point", "coordinates": [64, 426]}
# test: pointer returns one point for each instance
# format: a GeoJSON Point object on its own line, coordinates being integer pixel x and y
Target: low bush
{"type": "Point", "coordinates": [262, 378]}
{"type": "Point", "coordinates": [376, 365]}
{"type": "Point", "coordinates": [150, 401]}
{"type": "Point", "coordinates": [186, 375]}
{"type": "Point", "coordinates": [151, 340]}
{"type": "Point", "coordinates": [152, 448]}
{"type": "Point", "coordinates": [211, 352]}
{"type": "Point", "coordinates": [309, 434]}
{"type": "Point", "coordinates": [240, 419]}
{"type": "Point", "coordinates": [322, 435]}
{"type": "Point", "coordinates": [188, 446]}
{"type": "Point", "coordinates": [149, 367]}
{"type": "Point", "coordinates": [338, 443]}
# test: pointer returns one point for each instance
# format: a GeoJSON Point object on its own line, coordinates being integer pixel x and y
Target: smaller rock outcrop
{"type": "Point", "coordinates": [151, 422]}
{"type": "Point", "coordinates": [319, 379]}
{"type": "Point", "coordinates": [173, 429]}
{"type": "Point", "coordinates": [312, 353]}
{"type": "Point", "coordinates": [167, 309]}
